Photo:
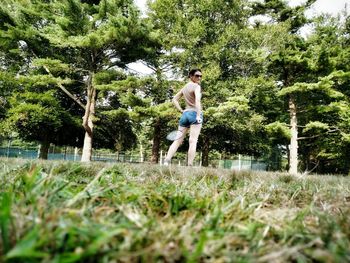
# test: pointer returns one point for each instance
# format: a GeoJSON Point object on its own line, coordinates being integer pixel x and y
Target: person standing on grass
{"type": "Point", "coordinates": [192, 116]}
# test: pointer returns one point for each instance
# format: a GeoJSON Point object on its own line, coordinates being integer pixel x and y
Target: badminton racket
{"type": "Point", "coordinates": [174, 135]}
{"type": "Point", "coordinates": [177, 134]}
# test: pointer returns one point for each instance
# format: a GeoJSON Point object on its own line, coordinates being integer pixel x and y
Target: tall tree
{"type": "Point", "coordinates": [114, 122]}
{"type": "Point", "coordinates": [37, 110]}
{"type": "Point", "coordinates": [312, 79]}
{"type": "Point", "coordinates": [86, 38]}
{"type": "Point", "coordinates": [325, 119]}
{"type": "Point", "coordinates": [147, 99]}
{"type": "Point", "coordinates": [289, 61]}
{"type": "Point", "coordinates": [40, 117]}
{"type": "Point", "coordinates": [213, 35]}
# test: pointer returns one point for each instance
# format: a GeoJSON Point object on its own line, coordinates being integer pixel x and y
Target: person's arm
{"type": "Point", "coordinates": [198, 96]}
{"type": "Point", "coordinates": [176, 101]}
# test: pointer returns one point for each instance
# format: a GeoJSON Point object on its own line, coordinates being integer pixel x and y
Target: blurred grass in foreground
{"type": "Point", "coordinates": [74, 212]}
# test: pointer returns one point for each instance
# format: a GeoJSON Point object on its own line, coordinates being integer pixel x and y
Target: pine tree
{"type": "Point", "coordinates": [81, 39]}
{"type": "Point", "coordinates": [307, 70]}
{"type": "Point", "coordinates": [214, 36]}
{"type": "Point", "coordinates": [288, 58]}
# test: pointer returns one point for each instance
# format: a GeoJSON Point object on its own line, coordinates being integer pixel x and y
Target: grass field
{"type": "Point", "coordinates": [73, 212]}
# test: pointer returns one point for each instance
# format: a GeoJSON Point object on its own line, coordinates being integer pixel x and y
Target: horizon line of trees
{"type": "Point", "coordinates": [267, 90]}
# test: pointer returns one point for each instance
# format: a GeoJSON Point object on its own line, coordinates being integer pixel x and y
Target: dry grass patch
{"type": "Point", "coordinates": [73, 212]}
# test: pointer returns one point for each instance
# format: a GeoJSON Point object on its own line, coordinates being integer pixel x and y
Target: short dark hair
{"type": "Point", "coordinates": [193, 71]}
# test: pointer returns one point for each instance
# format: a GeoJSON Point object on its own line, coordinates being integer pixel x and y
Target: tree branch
{"type": "Point", "coordinates": [73, 97]}
{"type": "Point", "coordinates": [309, 171]}
{"type": "Point", "coordinates": [149, 66]}
{"type": "Point", "coordinates": [90, 97]}
{"type": "Point", "coordinates": [318, 135]}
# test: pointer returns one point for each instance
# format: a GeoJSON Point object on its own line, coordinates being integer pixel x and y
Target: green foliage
{"type": "Point", "coordinates": [218, 41]}
{"type": "Point", "coordinates": [278, 130]}
{"type": "Point", "coordinates": [5, 219]}
{"type": "Point", "coordinates": [7, 84]}
{"type": "Point", "coordinates": [30, 116]}
{"type": "Point", "coordinates": [324, 86]}
{"type": "Point", "coordinates": [315, 126]}
{"type": "Point", "coordinates": [280, 11]}
{"type": "Point", "coordinates": [307, 71]}
{"type": "Point", "coordinates": [115, 130]}
{"type": "Point", "coordinates": [32, 112]}
{"type": "Point", "coordinates": [72, 46]}
{"type": "Point", "coordinates": [251, 70]}
{"type": "Point", "coordinates": [55, 66]}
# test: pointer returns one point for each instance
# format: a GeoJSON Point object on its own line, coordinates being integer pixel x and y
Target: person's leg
{"type": "Point", "coordinates": [194, 133]}
{"type": "Point", "coordinates": [175, 145]}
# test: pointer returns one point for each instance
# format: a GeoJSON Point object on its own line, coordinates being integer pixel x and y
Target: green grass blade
{"type": "Point", "coordinates": [5, 219]}
{"type": "Point", "coordinates": [26, 248]}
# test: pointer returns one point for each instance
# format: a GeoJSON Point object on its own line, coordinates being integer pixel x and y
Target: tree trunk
{"type": "Point", "coordinates": [44, 150]}
{"type": "Point", "coordinates": [293, 148]}
{"type": "Point", "coordinates": [347, 162]}
{"type": "Point", "coordinates": [156, 141]}
{"type": "Point", "coordinates": [141, 153]}
{"type": "Point", "coordinates": [88, 121]}
{"type": "Point", "coordinates": [87, 147]}
{"type": "Point", "coordinates": [286, 168]}
{"type": "Point", "coordinates": [205, 152]}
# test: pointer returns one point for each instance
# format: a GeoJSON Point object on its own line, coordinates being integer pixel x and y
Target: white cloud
{"type": "Point", "coordinates": [327, 6]}
{"type": "Point", "coordinates": [142, 5]}
{"type": "Point", "coordinates": [333, 7]}
{"type": "Point", "coordinates": [139, 68]}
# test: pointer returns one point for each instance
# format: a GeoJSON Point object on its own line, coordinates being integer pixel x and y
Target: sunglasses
{"type": "Point", "coordinates": [198, 76]}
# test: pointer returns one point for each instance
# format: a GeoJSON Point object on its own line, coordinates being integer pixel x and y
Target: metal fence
{"type": "Point", "coordinates": [243, 163]}
{"type": "Point", "coordinates": [239, 163]}
{"type": "Point", "coordinates": [12, 152]}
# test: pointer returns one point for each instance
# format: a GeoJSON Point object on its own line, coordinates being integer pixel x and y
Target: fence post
{"type": "Point", "coordinates": [8, 148]}
{"type": "Point", "coordinates": [239, 162]}
{"type": "Point", "coordinates": [141, 153]}
{"type": "Point", "coordinates": [65, 152]}
{"type": "Point", "coordinates": [38, 151]}
{"type": "Point", "coordinates": [75, 153]}
{"type": "Point", "coordinates": [161, 157]}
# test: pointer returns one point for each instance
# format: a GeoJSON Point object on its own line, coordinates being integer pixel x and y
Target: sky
{"type": "Point", "coordinates": [333, 7]}
{"type": "Point", "coordinates": [322, 6]}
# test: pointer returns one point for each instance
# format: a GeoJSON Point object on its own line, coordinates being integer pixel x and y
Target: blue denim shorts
{"type": "Point", "coordinates": [188, 118]}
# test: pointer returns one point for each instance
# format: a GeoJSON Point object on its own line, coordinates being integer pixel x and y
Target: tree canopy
{"type": "Point", "coordinates": [268, 90]}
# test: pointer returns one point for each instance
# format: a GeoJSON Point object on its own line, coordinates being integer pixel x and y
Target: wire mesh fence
{"type": "Point", "coordinates": [238, 163]}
